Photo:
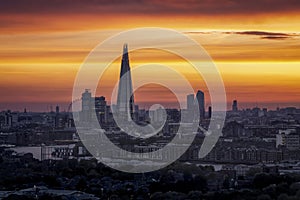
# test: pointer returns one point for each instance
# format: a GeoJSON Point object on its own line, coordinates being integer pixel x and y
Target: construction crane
{"type": "Point", "coordinates": [70, 105]}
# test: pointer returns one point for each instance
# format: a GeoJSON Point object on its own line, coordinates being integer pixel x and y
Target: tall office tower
{"type": "Point", "coordinates": [190, 102]}
{"type": "Point", "coordinates": [234, 105]}
{"type": "Point", "coordinates": [100, 108]}
{"type": "Point", "coordinates": [209, 112]}
{"type": "Point", "coordinates": [201, 104]}
{"type": "Point", "coordinates": [125, 99]}
{"type": "Point", "coordinates": [86, 109]}
{"type": "Point", "coordinates": [57, 109]}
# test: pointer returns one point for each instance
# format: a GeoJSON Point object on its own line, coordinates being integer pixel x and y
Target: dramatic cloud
{"type": "Point", "coordinates": [216, 7]}
{"type": "Point", "coordinates": [269, 35]}
{"type": "Point", "coordinates": [275, 37]}
{"type": "Point", "coordinates": [43, 44]}
{"type": "Point", "coordinates": [261, 34]}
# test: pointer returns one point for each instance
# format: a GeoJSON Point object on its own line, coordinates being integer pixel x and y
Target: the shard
{"type": "Point", "coordinates": [125, 99]}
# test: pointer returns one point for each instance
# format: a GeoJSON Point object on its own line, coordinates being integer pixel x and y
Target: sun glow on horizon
{"type": "Point", "coordinates": [257, 53]}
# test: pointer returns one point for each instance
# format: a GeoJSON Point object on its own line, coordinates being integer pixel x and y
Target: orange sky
{"type": "Point", "coordinates": [256, 46]}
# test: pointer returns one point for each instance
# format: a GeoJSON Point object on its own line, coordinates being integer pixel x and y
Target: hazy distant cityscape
{"type": "Point", "coordinates": [257, 157]}
{"type": "Point", "coordinates": [255, 141]}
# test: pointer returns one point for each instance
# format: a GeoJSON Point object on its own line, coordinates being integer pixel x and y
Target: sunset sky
{"type": "Point", "coordinates": [254, 44]}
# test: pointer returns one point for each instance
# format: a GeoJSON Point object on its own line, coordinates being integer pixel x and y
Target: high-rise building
{"type": "Point", "coordinates": [201, 103]}
{"type": "Point", "coordinates": [234, 105]}
{"type": "Point", "coordinates": [57, 109]}
{"type": "Point", "coordinates": [209, 112]}
{"type": "Point", "coordinates": [100, 108]}
{"type": "Point", "coordinates": [86, 106]}
{"type": "Point", "coordinates": [125, 99]}
{"type": "Point", "coordinates": [190, 102]}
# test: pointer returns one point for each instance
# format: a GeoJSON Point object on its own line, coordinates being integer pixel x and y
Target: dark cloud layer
{"type": "Point", "coordinates": [275, 37]}
{"type": "Point", "coordinates": [269, 35]}
{"type": "Point", "coordinates": [147, 6]}
{"type": "Point", "coordinates": [264, 33]}
{"type": "Point", "coordinates": [261, 34]}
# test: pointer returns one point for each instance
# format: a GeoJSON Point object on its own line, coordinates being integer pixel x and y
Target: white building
{"type": "Point", "coordinates": [288, 138]}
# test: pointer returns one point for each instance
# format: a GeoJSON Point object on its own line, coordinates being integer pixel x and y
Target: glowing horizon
{"type": "Point", "coordinates": [254, 45]}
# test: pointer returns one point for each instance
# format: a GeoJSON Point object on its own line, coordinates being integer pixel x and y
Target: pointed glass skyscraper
{"type": "Point", "coordinates": [125, 99]}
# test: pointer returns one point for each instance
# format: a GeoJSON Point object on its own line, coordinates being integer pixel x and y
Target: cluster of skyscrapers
{"type": "Point", "coordinates": [125, 99]}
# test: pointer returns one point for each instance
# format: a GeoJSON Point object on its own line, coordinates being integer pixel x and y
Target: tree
{"type": "Point", "coordinates": [283, 197]}
{"type": "Point", "coordinates": [295, 187]}
{"type": "Point", "coordinates": [200, 183]}
{"type": "Point", "coordinates": [194, 195]}
{"type": "Point", "coordinates": [226, 183]}
{"type": "Point", "coordinates": [264, 197]}
{"type": "Point", "coordinates": [253, 171]}
{"type": "Point", "coordinates": [157, 195]}
{"type": "Point", "coordinates": [263, 180]}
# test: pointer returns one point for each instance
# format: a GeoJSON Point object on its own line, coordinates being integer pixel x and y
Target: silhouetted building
{"type": "Point", "coordinates": [190, 101]}
{"type": "Point", "coordinates": [136, 113]}
{"type": "Point", "coordinates": [125, 99]}
{"type": "Point", "coordinates": [288, 138]}
{"type": "Point", "coordinates": [108, 117]}
{"type": "Point", "coordinates": [57, 109]}
{"type": "Point", "coordinates": [100, 108]}
{"type": "Point", "coordinates": [234, 129]}
{"type": "Point", "coordinates": [209, 112]}
{"type": "Point", "coordinates": [6, 119]}
{"type": "Point", "coordinates": [234, 105]}
{"type": "Point", "coordinates": [86, 106]}
{"type": "Point", "coordinates": [201, 103]}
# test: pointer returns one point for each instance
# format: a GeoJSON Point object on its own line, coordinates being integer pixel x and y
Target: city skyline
{"type": "Point", "coordinates": [42, 49]}
{"type": "Point", "coordinates": [230, 105]}
{"type": "Point", "coordinates": [149, 99]}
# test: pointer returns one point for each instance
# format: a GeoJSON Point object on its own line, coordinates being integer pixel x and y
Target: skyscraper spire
{"type": "Point", "coordinates": [125, 86]}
